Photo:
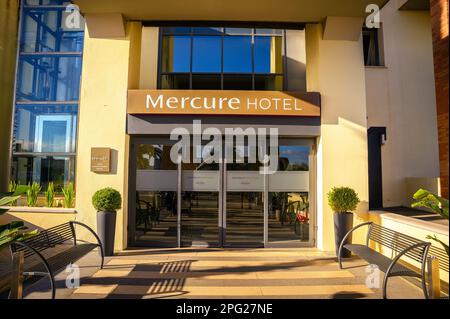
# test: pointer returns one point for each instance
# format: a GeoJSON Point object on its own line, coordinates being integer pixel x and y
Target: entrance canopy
{"type": "Point", "coordinates": [282, 11]}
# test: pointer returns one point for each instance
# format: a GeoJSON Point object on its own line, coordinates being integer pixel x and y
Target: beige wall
{"type": "Point", "coordinates": [9, 16]}
{"type": "Point", "coordinates": [401, 97]}
{"type": "Point", "coordinates": [336, 70]}
{"type": "Point", "coordinates": [149, 61]}
{"type": "Point", "coordinates": [110, 68]}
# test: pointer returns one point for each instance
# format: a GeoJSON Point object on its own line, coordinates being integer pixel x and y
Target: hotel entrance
{"type": "Point", "coordinates": [220, 204]}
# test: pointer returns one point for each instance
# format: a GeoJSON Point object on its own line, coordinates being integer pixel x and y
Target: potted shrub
{"type": "Point", "coordinates": [106, 201]}
{"type": "Point", "coordinates": [342, 200]}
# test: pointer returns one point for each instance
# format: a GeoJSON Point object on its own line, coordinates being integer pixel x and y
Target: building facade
{"type": "Point", "coordinates": [98, 96]}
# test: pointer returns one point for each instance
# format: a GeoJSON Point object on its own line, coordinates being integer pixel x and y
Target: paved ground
{"type": "Point", "coordinates": [220, 273]}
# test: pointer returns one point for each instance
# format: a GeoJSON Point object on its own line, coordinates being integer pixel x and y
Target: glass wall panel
{"type": "Point", "coordinates": [293, 158]}
{"type": "Point", "coordinates": [200, 219]}
{"type": "Point", "coordinates": [244, 219]}
{"type": "Point", "coordinates": [45, 128]}
{"type": "Point", "coordinates": [176, 54]}
{"type": "Point", "coordinates": [237, 54]}
{"type": "Point", "coordinates": [206, 54]}
{"type": "Point", "coordinates": [47, 93]}
{"type": "Point", "coordinates": [289, 219]}
{"type": "Point", "coordinates": [176, 30]}
{"type": "Point", "coordinates": [268, 55]}
{"type": "Point", "coordinates": [238, 31]}
{"type": "Point", "coordinates": [269, 82]}
{"type": "Point", "coordinates": [228, 55]}
{"type": "Point", "coordinates": [175, 81]}
{"type": "Point", "coordinates": [154, 157]}
{"type": "Point", "coordinates": [156, 218]}
{"type": "Point", "coordinates": [44, 169]}
{"type": "Point", "coordinates": [47, 78]}
{"type": "Point", "coordinates": [206, 82]}
{"type": "Point", "coordinates": [208, 30]}
{"type": "Point", "coordinates": [237, 82]}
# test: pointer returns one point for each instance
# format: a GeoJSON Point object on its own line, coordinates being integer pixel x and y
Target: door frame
{"type": "Point", "coordinates": [155, 139]}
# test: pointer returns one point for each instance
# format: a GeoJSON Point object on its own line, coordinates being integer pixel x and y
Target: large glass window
{"type": "Point", "coordinates": [47, 94]}
{"type": "Point", "coordinates": [215, 58]}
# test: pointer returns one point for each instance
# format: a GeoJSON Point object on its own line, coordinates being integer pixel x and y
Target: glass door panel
{"type": "Point", "coordinates": [200, 204]}
{"type": "Point", "coordinates": [244, 203]}
{"type": "Point", "coordinates": [289, 218]}
{"type": "Point", "coordinates": [244, 219]}
{"type": "Point", "coordinates": [200, 219]}
{"type": "Point", "coordinates": [155, 216]}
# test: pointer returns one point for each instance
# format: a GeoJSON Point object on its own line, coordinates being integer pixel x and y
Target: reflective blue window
{"type": "Point", "coordinates": [47, 94]}
{"type": "Point", "coordinates": [268, 57]}
{"type": "Point", "coordinates": [237, 54]}
{"type": "Point", "coordinates": [48, 78]}
{"type": "Point", "coordinates": [214, 58]}
{"type": "Point", "coordinates": [206, 54]}
{"type": "Point", "coordinates": [45, 128]}
{"type": "Point", "coordinates": [176, 54]}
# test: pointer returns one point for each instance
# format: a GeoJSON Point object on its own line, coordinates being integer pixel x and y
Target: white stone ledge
{"type": "Point", "coordinates": [40, 210]}
{"type": "Point", "coordinates": [414, 222]}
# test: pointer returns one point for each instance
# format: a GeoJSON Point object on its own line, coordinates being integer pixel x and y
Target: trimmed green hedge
{"type": "Point", "coordinates": [107, 200]}
{"type": "Point", "coordinates": [343, 199]}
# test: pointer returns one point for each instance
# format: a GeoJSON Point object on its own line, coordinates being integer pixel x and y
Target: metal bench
{"type": "Point", "coordinates": [401, 246]}
{"type": "Point", "coordinates": [52, 250]}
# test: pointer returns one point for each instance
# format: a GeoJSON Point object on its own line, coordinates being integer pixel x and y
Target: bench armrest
{"type": "Point", "coordinates": [426, 246]}
{"type": "Point", "coordinates": [347, 235]}
{"type": "Point", "coordinates": [92, 232]}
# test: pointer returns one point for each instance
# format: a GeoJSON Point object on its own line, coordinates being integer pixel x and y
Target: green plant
{"type": "Point", "coordinates": [15, 230]}
{"type": "Point", "coordinates": [33, 191]}
{"type": "Point", "coordinates": [342, 199]}
{"type": "Point", "coordinates": [50, 195]}
{"type": "Point", "coordinates": [436, 204]}
{"type": "Point", "coordinates": [12, 187]}
{"type": "Point", "coordinates": [107, 199]}
{"type": "Point", "coordinates": [69, 195]}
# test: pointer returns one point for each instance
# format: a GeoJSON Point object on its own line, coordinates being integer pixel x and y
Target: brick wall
{"type": "Point", "coordinates": [439, 23]}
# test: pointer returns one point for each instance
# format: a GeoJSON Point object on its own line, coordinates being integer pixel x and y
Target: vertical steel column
{"type": "Point", "coordinates": [179, 203]}
{"type": "Point", "coordinates": [266, 206]}
{"type": "Point", "coordinates": [224, 202]}
{"type": "Point", "coordinates": [220, 182]}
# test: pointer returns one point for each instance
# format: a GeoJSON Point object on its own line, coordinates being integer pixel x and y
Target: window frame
{"type": "Point", "coordinates": [56, 53]}
{"type": "Point", "coordinates": [222, 74]}
{"type": "Point", "coordinates": [376, 35]}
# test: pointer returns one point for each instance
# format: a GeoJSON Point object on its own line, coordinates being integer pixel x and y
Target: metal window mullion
{"type": "Point", "coordinates": [192, 58]}
{"type": "Point", "coordinates": [179, 190]}
{"type": "Point", "coordinates": [253, 59]}
{"type": "Point", "coordinates": [284, 53]}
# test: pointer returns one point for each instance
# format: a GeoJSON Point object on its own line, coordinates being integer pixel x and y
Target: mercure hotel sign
{"type": "Point", "coordinates": [208, 102]}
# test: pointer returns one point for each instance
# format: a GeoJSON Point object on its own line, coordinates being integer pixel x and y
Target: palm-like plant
{"type": "Point", "coordinates": [437, 204]}
{"type": "Point", "coordinates": [50, 195]}
{"type": "Point", "coordinates": [15, 230]}
{"type": "Point", "coordinates": [33, 191]}
{"type": "Point", "coordinates": [69, 195]}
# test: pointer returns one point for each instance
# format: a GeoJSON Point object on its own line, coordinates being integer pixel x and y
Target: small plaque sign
{"type": "Point", "coordinates": [100, 160]}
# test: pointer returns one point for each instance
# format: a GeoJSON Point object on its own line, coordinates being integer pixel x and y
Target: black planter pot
{"type": "Point", "coordinates": [106, 231]}
{"type": "Point", "coordinates": [343, 223]}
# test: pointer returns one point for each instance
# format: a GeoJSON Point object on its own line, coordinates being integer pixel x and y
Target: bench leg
{"type": "Point", "coordinates": [52, 286]}
{"type": "Point", "coordinates": [385, 282]}
{"type": "Point", "coordinates": [339, 257]}
{"type": "Point", "coordinates": [102, 255]}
